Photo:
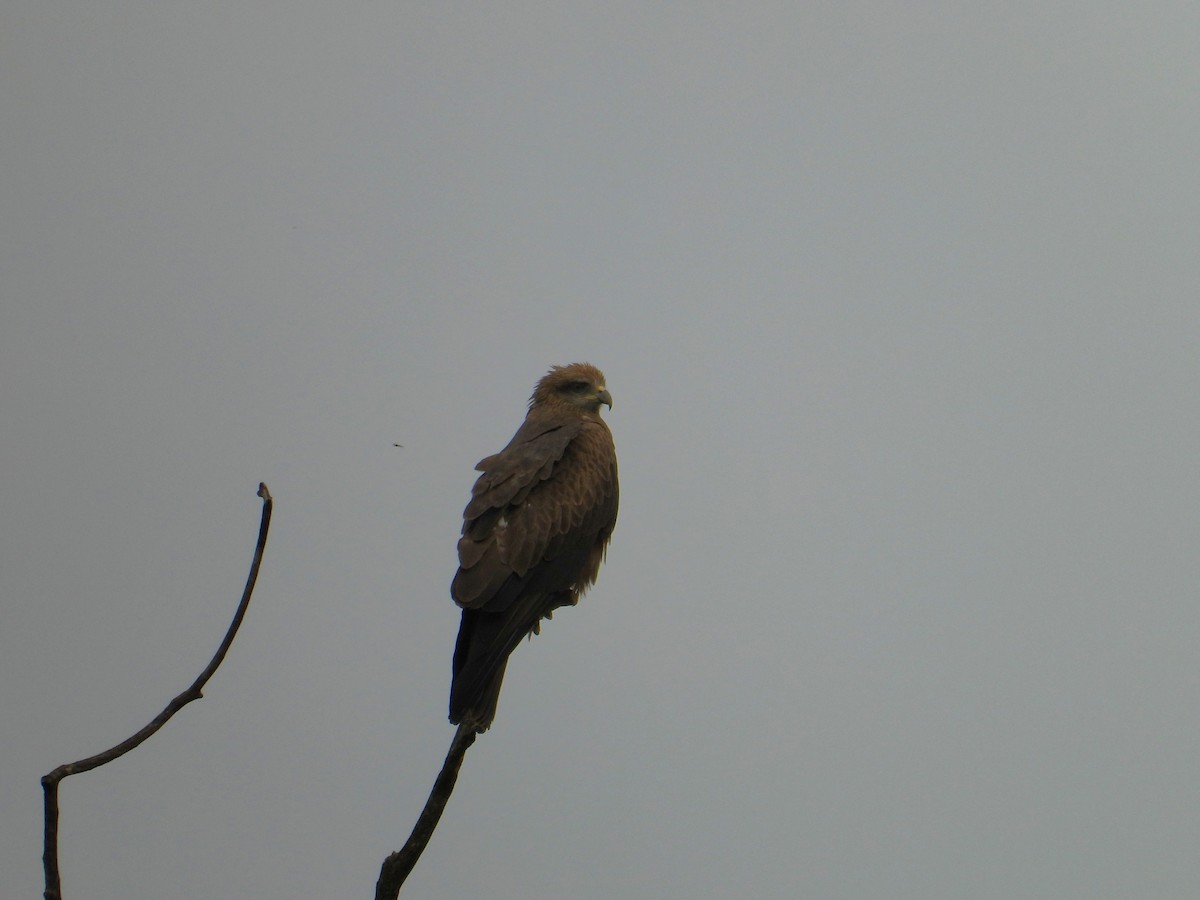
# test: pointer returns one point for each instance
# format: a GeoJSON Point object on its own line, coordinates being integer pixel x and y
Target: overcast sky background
{"type": "Point", "coordinates": [899, 304]}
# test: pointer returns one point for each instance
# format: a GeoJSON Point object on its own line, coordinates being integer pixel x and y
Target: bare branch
{"type": "Point", "coordinates": [193, 692]}
{"type": "Point", "coordinates": [398, 865]}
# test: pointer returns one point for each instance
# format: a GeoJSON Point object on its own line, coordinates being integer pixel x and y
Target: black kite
{"type": "Point", "coordinates": [534, 532]}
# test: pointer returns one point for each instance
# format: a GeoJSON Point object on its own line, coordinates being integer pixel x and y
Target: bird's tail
{"type": "Point", "coordinates": [479, 707]}
{"type": "Point", "coordinates": [485, 640]}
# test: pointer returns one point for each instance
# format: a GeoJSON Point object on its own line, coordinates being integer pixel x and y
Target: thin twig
{"type": "Point", "coordinates": [194, 692]}
{"type": "Point", "coordinates": [397, 866]}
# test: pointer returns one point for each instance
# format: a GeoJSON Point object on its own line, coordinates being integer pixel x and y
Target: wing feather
{"type": "Point", "coordinates": [534, 513]}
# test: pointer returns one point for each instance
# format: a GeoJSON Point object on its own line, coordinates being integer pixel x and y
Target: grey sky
{"type": "Point", "coordinates": [899, 308]}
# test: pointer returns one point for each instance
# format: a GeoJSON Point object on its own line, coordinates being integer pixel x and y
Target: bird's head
{"type": "Point", "coordinates": [580, 385]}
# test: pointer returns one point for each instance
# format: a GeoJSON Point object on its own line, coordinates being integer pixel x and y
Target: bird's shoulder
{"type": "Point", "coordinates": [527, 459]}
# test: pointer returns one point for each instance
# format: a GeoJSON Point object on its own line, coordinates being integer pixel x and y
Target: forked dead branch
{"type": "Point", "coordinates": [51, 781]}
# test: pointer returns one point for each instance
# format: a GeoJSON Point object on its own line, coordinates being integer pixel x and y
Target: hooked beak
{"type": "Point", "coordinates": [604, 397]}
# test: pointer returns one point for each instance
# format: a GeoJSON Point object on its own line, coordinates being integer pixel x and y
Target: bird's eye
{"type": "Point", "coordinates": [577, 387]}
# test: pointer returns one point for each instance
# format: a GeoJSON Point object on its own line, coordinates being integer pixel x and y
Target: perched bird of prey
{"type": "Point", "coordinates": [534, 532]}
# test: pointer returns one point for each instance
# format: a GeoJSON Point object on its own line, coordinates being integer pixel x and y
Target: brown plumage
{"type": "Point", "coordinates": [534, 532]}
